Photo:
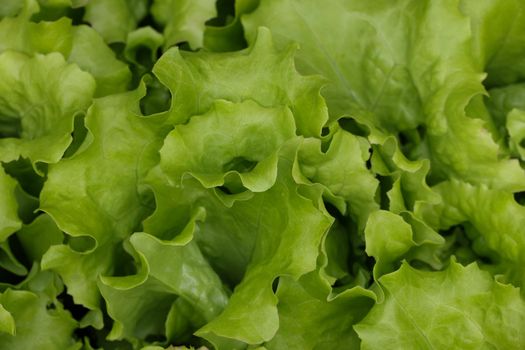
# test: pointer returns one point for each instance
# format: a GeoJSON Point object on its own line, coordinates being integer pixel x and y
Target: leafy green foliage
{"type": "Point", "coordinates": [274, 174]}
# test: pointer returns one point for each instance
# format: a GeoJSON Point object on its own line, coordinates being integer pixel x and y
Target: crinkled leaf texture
{"type": "Point", "coordinates": [460, 307]}
{"type": "Point", "coordinates": [342, 173]}
{"type": "Point", "coordinates": [393, 84]}
{"type": "Point", "coordinates": [163, 295]}
{"type": "Point", "coordinates": [9, 221]}
{"type": "Point", "coordinates": [78, 44]}
{"type": "Point", "coordinates": [183, 20]}
{"type": "Point", "coordinates": [262, 73]}
{"type": "Point", "coordinates": [39, 99]}
{"type": "Point", "coordinates": [103, 205]}
{"type": "Point", "coordinates": [493, 221]}
{"type": "Point", "coordinates": [288, 174]}
{"type": "Point", "coordinates": [209, 150]}
{"type": "Point", "coordinates": [32, 317]}
{"type": "Point", "coordinates": [306, 322]}
{"type": "Point", "coordinates": [115, 19]}
{"type": "Point", "coordinates": [249, 235]}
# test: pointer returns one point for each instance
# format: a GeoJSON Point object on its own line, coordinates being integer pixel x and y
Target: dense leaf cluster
{"type": "Point", "coordinates": [273, 174]}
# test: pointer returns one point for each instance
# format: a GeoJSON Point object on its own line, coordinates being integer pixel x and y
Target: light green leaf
{"type": "Point", "coordinates": [516, 127]}
{"type": "Point", "coordinates": [229, 36]}
{"type": "Point", "coordinates": [200, 78]}
{"type": "Point", "coordinates": [107, 166]}
{"type": "Point", "coordinates": [461, 307]}
{"type": "Point", "coordinates": [39, 98]}
{"type": "Point", "coordinates": [9, 221]}
{"type": "Point", "coordinates": [78, 44]}
{"type": "Point", "coordinates": [114, 19]}
{"type": "Point", "coordinates": [309, 323]}
{"type": "Point", "coordinates": [92, 55]}
{"type": "Point", "coordinates": [80, 270]}
{"type": "Point", "coordinates": [9, 261]}
{"type": "Point", "coordinates": [342, 171]}
{"type": "Point", "coordinates": [247, 241]}
{"type": "Point", "coordinates": [501, 103]}
{"type": "Point", "coordinates": [9, 8]}
{"type": "Point", "coordinates": [7, 322]}
{"type": "Point", "coordinates": [497, 223]}
{"type": "Point", "coordinates": [290, 221]}
{"type": "Point", "coordinates": [169, 269]}
{"type": "Point", "coordinates": [227, 251]}
{"type": "Point", "coordinates": [385, 80]}
{"type": "Point", "coordinates": [388, 237]}
{"type": "Point", "coordinates": [208, 149]}
{"type": "Point", "coordinates": [21, 34]}
{"type": "Point", "coordinates": [183, 20]}
{"type": "Point", "coordinates": [502, 100]}
{"type": "Point", "coordinates": [498, 29]}
{"type": "Point", "coordinates": [365, 60]}
{"type": "Point", "coordinates": [104, 203]}
{"type": "Point", "coordinates": [38, 236]}
{"type": "Point", "coordinates": [142, 45]}
{"type": "Point", "coordinates": [36, 325]}
{"type": "Point", "coordinates": [403, 179]}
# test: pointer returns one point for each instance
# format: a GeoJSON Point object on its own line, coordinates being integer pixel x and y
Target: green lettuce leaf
{"type": "Point", "coordinates": [388, 238]}
{"type": "Point", "coordinates": [108, 206]}
{"type": "Point", "coordinates": [248, 233]}
{"type": "Point", "coordinates": [200, 78]}
{"type": "Point", "coordinates": [38, 236]}
{"type": "Point", "coordinates": [92, 55]}
{"type": "Point", "coordinates": [384, 80]}
{"type": "Point", "coordinates": [493, 221]}
{"type": "Point", "coordinates": [287, 174]}
{"type": "Point", "coordinates": [292, 221]}
{"type": "Point", "coordinates": [366, 70]}
{"type": "Point", "coordinates": [516, 127]}
{"type": "Point", "coordinates": [9, 221]}
{"type": "Point", "coordinates": [228, 251]}
{"type": "Point", "coordinates": [28, 245]}
{"type": "Point", "coordinates": [34, 318]}
{"type": "Point", "coordinates": [142, 46]}
{"type": "Point", "coordinates": [115, 19]}
{"type": "Point", "coordinates": [502, 100]}
{"type": "Point", "coordinates": [183, 20]}
{"type": "Point", "coordinates": [9, 8]}
{"type": "Point", "coordinates": [20, 34]}
{"type": "Point", "coordinates": [342, 171]}
{"type": "Point", "coordinates": [404, 181]}
{"type": "Point", "coordinates": [501, 103]}
{"type": "Point", "coordinates": [9, 262]}
{"type": "Point", "coordinates": [309, 323]}
{"type": "Point", "coordinates": [7, 323]}
{"type": "Point", "coordinates": [228, 35]}
{"type": "Point", "coordinates": [169, 270]}
{"type": "Point", "coordinates": [78, 44]}
{"type": "Point", "coordinates": [40, 97]}
{"type": "Point", "coordinates": [459, 307]}
{"type": "Point", "coordinates": [498, 30]}
{"type": "Point", "coordinates": [207, 149]}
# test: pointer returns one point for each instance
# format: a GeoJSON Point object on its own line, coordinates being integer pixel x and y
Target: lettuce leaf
{"type": "Point", "coordinates": [460, 306]}
{"type": "Point", "coordinates": [108, 195]}
{"type": "Point", "coordinates": [37, 115]}
{"type": "Point", "coordinates": [218, 174]}
{"type": "Point", "coordinates": [183, 20]}
{"type": "Point", "coordinates": [78, 44]}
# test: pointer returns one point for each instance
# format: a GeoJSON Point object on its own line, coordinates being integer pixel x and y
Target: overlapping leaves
{"type": "Point", "coordinates": [350, 179]}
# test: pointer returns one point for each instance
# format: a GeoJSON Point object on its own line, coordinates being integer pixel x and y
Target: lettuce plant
{"type": "Point", "coordinates": [262, 174]}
